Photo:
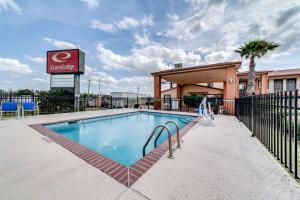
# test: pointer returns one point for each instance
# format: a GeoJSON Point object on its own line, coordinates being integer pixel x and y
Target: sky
{"type": "Point", "coordinates": [124, 41]}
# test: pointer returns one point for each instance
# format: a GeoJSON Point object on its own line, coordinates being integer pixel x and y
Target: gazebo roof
{"type": "Point", "coordinates": [198, 74]}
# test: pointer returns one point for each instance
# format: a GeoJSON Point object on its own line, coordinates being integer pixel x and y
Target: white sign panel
{"type": "Point", "coordinates": [62, 80]}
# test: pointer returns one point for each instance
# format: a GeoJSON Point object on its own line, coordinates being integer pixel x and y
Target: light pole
{"type": "Point", "coordinates": [137, 94]}
{"type": "Point", "coordinates": [99, 86]}
{"type": "Point", "coordinates": [89, 88]}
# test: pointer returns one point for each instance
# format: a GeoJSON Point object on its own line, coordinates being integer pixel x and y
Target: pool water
{"type": "Point", "coordinates": [119, 137]}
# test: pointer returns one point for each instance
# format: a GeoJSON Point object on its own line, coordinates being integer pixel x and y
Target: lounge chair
{"type": "Point", "coordinates": [30, 107]}
{"type": "Point", "coordinates": [9, 107]}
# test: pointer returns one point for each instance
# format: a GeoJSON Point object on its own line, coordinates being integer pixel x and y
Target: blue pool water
{"type": "Point", "coordinates": [119, 137]}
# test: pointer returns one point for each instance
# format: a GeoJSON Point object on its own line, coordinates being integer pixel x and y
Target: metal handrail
{"type": "Point", "coordinates": [169, 138]}
{"type": "Point", "coordinates": [177, 134]}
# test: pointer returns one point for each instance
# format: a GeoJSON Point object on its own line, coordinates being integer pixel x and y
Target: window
{"type": "Point", "coordinates": [290, 84]}
{"type": "Point", "coordinates": [278, 85]}
{"type": "Point", "coordinates": [243, 86]}
{"type": "Point", "coordinates": [258, 84]}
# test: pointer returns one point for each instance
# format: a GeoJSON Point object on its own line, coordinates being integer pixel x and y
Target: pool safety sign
{"type": "Point", "coordinates": [69, 61]}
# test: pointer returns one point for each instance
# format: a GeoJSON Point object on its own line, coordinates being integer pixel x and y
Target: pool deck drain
{"type": "Point", "coordinates": [124, 175]}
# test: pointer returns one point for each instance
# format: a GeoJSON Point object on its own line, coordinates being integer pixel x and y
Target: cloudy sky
{"type": "Point", "coordinates": [124, 41]}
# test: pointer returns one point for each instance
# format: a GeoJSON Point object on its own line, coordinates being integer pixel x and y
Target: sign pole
{"type": "Point", "coordinates": [77, 92]}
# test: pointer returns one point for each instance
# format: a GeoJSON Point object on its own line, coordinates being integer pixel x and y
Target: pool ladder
{"type": "Point", "coordinates": [163, 127]}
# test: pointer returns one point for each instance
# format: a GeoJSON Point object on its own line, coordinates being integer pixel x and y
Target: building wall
{"type": "Point", "coordinates": [186, 89]}
{"type": "Point", "coordinates": [271, 82]}
{"type": "Point", "coordinates": [171, 92]}
{"type": "Point", "coordinates": [219, 85]}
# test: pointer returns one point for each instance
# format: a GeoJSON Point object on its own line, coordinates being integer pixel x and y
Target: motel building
{"type": "Point", "coordinates": [221, 80]}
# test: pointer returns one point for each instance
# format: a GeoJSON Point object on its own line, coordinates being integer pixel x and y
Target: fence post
{"type": "Point", "coordinates": [277, 125]}
{"type": "Point", "coordinates": [296, 133]}
{"type": "Point", "coordinates": [290, 131]}
{"type": "Point", "coordinates": [281, 128]}
{"type": "Point", "coordinates": [274, 124]}
{"type": "Point", "coordinates": [10, 96]}
{"type": "Point", "coordinates": [285, 129]}
{"type": "Point", "coordinates": [252, 112]}
{"type": "Point", "coordinates": [111, 106]}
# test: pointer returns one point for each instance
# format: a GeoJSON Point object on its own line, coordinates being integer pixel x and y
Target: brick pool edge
{"type": "Point", "coordinates": [124, 175]}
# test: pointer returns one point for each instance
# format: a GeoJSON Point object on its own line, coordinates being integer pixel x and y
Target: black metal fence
{"type": "Point", "coordinates": [218, 105]}
{"type": "Point", "coordinates": [64, 104]}
{"type": "Point", "coordinates": [273, 119]}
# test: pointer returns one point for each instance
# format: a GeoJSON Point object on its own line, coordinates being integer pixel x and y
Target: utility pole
{"type": "Point", "coordinates": [89, 89]}
{"type": "Point", "coordinates": [137, 94]}
{"type": "Point", "coordinates": [99, 86]}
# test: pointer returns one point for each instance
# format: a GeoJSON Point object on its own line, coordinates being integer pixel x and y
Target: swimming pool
{"type": "Point", "coordinates": [119, 137]}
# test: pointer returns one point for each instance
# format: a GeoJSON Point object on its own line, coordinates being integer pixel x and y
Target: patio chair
{"type": "Point", "coordinates": [9, 107]}
{"type": "Point", "coordinates": [30, 107]}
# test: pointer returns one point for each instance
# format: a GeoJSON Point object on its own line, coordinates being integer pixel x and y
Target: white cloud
{"type": "Point", "coordinates": [93, 74]}
{"type": "Point", "coordinates": [147, 21]}
{"type": "Point", "coordinates": [206, 17]}
{"type": "Point", "coordinates": [14, 66]}
{"type": "Point", "coordinates": [218, 57]}
{"type": "Point", "coordinates": [142, 40]}
{"type": "Point", "coordinates": [10, 4]}
{"type": "Point", "coordinates": [127, 22]}
{"type": "Point", "coordinates": [14, 75]}
{"type": "Point", "coordinates": [60, 44]}
{"type": "Point", "coordinates": [38, 59]}
{"type": "Point", "coordinates": [91, 3]}
{"type": "Point", "coordinates": [112, 84]}
{"type": "Point", "coordinates": [123, 24]}
{"type": "Point", "coordinates": [146, 59]}
{"type": "Point", "coordinates": [215, 28]}
{"type": "Point", "coordinates": [41, 80]}
{"type": "Point", "coordinates": [172, 17]}
{"type": "Point", "coordinates": [96, 24]}
{"type": "Point", "coordinates": [7, 82]}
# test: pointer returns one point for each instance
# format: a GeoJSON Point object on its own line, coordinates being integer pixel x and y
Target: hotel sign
{"type": "Point", "coordinates": [65, 62]}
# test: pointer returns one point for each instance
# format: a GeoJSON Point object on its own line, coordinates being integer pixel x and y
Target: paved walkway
{"type": "Point", "coordinates": [221, 162]}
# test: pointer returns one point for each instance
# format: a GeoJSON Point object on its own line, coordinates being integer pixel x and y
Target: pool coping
{"type": "Point", "coordinates": [124, 175]}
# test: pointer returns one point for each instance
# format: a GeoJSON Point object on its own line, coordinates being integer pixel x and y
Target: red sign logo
{"type": "Point", "coordinates": [63, 61]}
{"type": "Point", "coordinates": [61, 57]}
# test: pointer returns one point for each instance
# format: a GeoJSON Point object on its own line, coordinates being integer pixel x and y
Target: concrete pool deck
{"type": "Point", "coordinates": [221, 162]}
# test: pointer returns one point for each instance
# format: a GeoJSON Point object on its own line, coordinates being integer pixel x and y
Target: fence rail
{"type": "Point", "coordinates": [273, 119]}
{"type": "Point", "coordinates": [64, 104]}
{"type": "Point", "coordinates": [218, 105]}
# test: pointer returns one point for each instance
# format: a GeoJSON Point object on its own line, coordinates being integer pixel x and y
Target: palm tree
{"type": "Point", "coordinates": [251, 50]}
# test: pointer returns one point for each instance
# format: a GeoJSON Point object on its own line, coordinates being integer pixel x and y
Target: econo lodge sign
{"type": "Point", "coordinates": [65, 61]}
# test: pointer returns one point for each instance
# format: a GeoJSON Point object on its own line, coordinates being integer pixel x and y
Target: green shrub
{"type": "Point", "coordinates": [198, 100]}
{"type": "Point", "coordinates": [215, 108]}
{"type": "Point", "coordinates": [189, 100]}
{"type": "Point", "coordinates": [193, 100]}
{"type": "Point", "coordinates": [136, 105]}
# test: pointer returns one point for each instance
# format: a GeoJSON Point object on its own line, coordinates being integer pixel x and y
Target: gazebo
{"type": "Point", "coordinates": [225, 73]}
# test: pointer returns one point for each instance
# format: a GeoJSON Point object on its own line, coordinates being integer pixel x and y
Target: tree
{"type": "Point", "coordinates": [24, 92]}
{"type": "Point", "coordinates": [251, 50]}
